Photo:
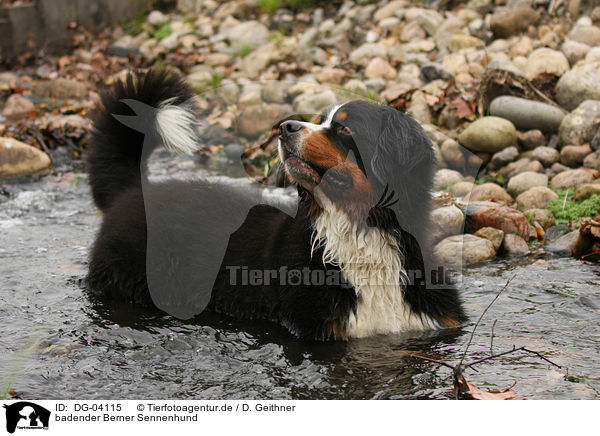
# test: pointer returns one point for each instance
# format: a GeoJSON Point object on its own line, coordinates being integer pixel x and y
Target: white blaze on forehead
{"type": "Point", "coordinates": [328, 120]}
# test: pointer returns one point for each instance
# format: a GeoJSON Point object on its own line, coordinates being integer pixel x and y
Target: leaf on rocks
{"type": "Point", "coordinates": [463, 109]}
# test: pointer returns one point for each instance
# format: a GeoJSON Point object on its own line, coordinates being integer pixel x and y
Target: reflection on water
{"type": "Point", "coordinates": [57, 343]}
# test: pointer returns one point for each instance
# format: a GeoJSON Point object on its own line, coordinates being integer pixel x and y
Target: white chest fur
{"type": "Point", "coordinates": [371, 263]}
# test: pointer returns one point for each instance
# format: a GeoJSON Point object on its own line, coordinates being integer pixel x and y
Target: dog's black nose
{"type": "Point", "coordinates": [289, 128]}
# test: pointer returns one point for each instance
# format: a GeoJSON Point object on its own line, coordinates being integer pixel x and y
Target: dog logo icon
{"type": "Point", "coordinates": [26, 415]}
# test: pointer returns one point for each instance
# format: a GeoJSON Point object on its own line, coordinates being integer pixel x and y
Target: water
{"type": "Point", "coordinates": [58, 343]}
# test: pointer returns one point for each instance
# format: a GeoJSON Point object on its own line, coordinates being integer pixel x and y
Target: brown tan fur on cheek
{"type": "Point", "coordinates": [318, 150]}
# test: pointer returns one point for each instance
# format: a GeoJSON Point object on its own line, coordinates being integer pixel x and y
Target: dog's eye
{"type": "Point", "coordinates": [344, 130]}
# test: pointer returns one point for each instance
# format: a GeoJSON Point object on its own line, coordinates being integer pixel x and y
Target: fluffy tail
{"type": "Point", "coordinates": [156, 105]}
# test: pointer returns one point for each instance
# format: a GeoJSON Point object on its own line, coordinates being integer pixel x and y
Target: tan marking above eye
{"type": "Point", "coordinates": [318, 120]}
{"type": "Point", "coordinates": [341, 115]}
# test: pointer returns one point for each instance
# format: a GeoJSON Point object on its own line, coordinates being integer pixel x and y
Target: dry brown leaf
{"type": "Point", "coordinates": [480, 394]}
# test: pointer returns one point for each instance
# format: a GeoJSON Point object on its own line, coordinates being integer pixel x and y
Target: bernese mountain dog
{"type": "Point", "coordinates": [353, 260]}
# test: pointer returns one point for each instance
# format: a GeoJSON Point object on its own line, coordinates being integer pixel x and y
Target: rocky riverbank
{"type": "Point", "coordinates": [508, 92]}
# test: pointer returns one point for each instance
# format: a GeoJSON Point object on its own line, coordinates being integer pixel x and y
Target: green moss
{"type": "Point", "coordinates": [163, 31]}
{"type": "Point", "coordinates": [496, 178]}
{"type": "Point", "coordinates": [269, 6]}
{"type": "Point", "coordinates": [136, 26]}
{"type": "Point", "coordinates": [243, 51]}
{"type": "Point", "coordinates": [566, 209]}
{"type": "Point", "coordinates": [216, 80]}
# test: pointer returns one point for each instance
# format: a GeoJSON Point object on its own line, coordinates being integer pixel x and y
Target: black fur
{"type": "Point", "coordinates": [268, 238]}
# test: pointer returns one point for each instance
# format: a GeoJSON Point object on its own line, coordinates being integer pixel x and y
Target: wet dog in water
{"type": "Point", "coordinates": [351, 260]}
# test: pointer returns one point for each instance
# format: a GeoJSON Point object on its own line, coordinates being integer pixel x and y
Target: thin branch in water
{"type": "Point", "coordinates": [481, 317]}
{"type": "Point", "coordinates": [492, 338]}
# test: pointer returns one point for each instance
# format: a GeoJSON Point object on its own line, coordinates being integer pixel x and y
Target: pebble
{"type": "Point", "coordinates": [592, 160]}
{"type": "Point", "coordinates": [546, 61]}
{"type": "Point", "coordinates": [61, 89]}
{"type": "Point", "coordinates": [488, 134]}
{"type": "Point", "coordinates": [586, 191]}
{"type": "Point", "coordinates": [495, 236]}
{"type": "Point", "coordinates": [503, 157]}
{"type": "Point", "coordinates": [524, 181]}
{"type": "Point", "coordinates": [446, 221]}
{"type": "Point", "coordinates": [573, 155]}
{"type": "Point", "coordinates": [528, 114]}
{"type": "Point", "coordinates": [546, 155]}
{"type": "Point", "coordinates": [514, 245]}
{"type": "Point", "coordinates": [531, 139]}
{"type": "Point", "coordinates": [535, 198]}
{"type": "Point", "coordinates": [445, 178]}
{"type": "Point", "coordinates": [491, 192]}
{"type": "Point", "coordinates": [17, 107]}
{"type": "Point", "coordinates": [513, 21]}
{"type": "Point", "coordinates": [465, 249]}
{"type": "Point", "coordinates": [579, 84]}
{"type": "Point", "coordinates": [481, 214]}
{"type": "Point", "coordinates": [543, 217]}
{"type": "Point", "coordinates": [580, 126]}
{"type": "Point", "coordinates": [570, 178]}
{"type": "Point", "coordinates": [18, 159]}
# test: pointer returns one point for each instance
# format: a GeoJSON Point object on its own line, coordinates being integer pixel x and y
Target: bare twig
{"type": "Point", "coordinates": [492, 338]}
{"type": "Point", "coordinates": [481, 317]}
{"type": "Point", "coordinates": [459, 380]}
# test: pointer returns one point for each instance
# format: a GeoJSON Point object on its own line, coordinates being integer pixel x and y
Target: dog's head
{"type": "Point", "coordinates": [365, 159]}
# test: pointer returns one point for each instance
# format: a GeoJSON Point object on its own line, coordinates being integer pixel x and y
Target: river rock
{"type": "Point", "coordinates": [503, 157]}
{"type": "Point", "coordinates": [258, 118]}
{"type": "Point", "coordinates": [17, 107]}
{"type": "Point", "coordinates": [527, 114]}
{"type": "Point", "coordinates": [60, 89]}
{"type": "Point", "coordinates": [331, 75]}
{"type": "Point", "coordinates": [520, 166]}
{"type": "Point", "coordinates": [481, 214]}
{"type": "Point", "coordinates": [543, 217]}
{"type": "Point", "coordinates": [592, 161]}
{"type": "Point", "coordinates": [513, 21]}
{"type": "Point", "coordinates": [7, 80]}
{"type": "Point", "coordinates": [446, 221]}
{"type": "Point", "coordinates": [524, 181]}
{"type": "Point", "coordinates": [156, 18]}
{"type": "Point", "coordinates": [445, 178]}
{"type": "Point", "coordinates": [314, 103]}
{"type": "Point", "coordinates": [586, 191]}
{"type": "Point", "coordinates": [453, 154]}
{"type": "Point", "coordinates": [546, 155]}
{"type": "Point", "coordinates": [570, 178]}
{"type": "Point", "coordinates": [363, 54]}
{"type": "Point", "coordinates": [247, 34]}
{"type": "Point", "coordinates": [531, 139]}
{"type": "Point", "coordinates": [546, 61]}
{"type": "Point", "coordinates": [489, 191]}
{"type": "Point", "coordinates": [589, 35]}
{"type": "Point", "coordinates": [379, 67]}
{"type": "Point", "coordinates": [19, 159]}
{"type": "Point", "coordinates": [463, 188]}
{"type": "Point", "coordinates": [488, 134]}
{"type": "Point", "coordinates": [574, 51]}
{"type": "Point", "coordinates": [581, 125]}
{"type": "Point", "coordinates": [573, 155]}
{"type": "Point", "coordinates": [389, 10]}
{"type": "Point", "coordinates": [579, 84]}
{"type": "Point", "coordinates": [495, 236]}
{"type": "Point", "coordinates": [565, 245]}
{"type": "Point", "coordinates": [535, 198]}
{"type": "Point", "coordinates": [464, 250]}
{"type": "Point", "coordinates": [514, 245]}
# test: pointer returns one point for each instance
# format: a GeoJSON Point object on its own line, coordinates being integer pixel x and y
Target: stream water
{"type": "Point", "coordinates": [56, 342]}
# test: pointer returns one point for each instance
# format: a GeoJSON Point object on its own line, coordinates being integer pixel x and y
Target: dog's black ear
{"type": "Point", "coordinates": [402, 149]}
{"type": "Point", "coordinates": [403, 163]}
